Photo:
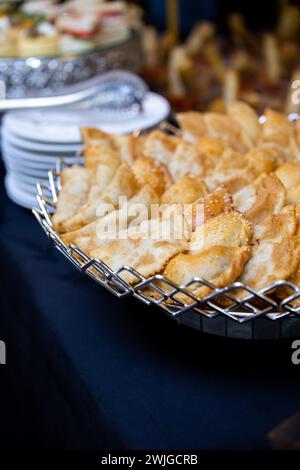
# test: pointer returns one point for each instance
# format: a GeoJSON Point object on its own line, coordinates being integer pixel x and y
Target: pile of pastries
{"type": "Point", "coordinates": [231, 179]}
{"type": "Point", "coordinates": [47, 27]}
{"type": "Point", "coordinates": [207, 70]}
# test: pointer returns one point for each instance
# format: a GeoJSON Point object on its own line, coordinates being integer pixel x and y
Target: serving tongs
{"type": "Point", "coordinates": [112, 94]}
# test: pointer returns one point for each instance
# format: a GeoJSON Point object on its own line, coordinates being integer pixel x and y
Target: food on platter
{"type": "Point", "coordinates": [227, 229]}
{"type": "Point", "coordinates": [185, 191]}
{"type": "Point", "coordinates": [220, 265]}
{"type": "Point", "coordinates": [148, 255]}
{"type": "Point", "coordinates": [75, 188]}
{"type": "Point", "coordinates": [123, 183]}
{"type": "Point", "coordinates": [266, 195]}
{"type": "Point", "coordinates": [225, 190]}
{"type": "Point", "coordinates": [272, 261]}
{"type": "Point", "coordinates": [87, 238]}
{"type": "Point", "coordinates": [49, 27]}
{"type": "Point", "coordinates": [153, 172]}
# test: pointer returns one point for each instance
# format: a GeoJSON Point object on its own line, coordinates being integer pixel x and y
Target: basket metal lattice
{"type": "Point", "coordinates": [262, 314]}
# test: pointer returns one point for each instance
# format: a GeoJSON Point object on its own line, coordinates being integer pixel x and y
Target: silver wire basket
{"type": "Point", "coordinates": [262, 314]}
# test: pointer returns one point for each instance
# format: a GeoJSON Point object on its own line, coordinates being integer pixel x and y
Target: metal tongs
{"type": "Point", "coordinates": [112, 94]}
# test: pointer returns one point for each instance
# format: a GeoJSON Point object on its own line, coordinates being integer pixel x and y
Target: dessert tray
{"type": "Point", "coordinates": [25, 77]}
{"type": "Point", "coordinates": [257, 314]}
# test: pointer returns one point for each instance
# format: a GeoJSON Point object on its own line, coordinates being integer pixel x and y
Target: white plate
{"type": "Point", "coordinates": [22, 198]}
{"type": "Point", "coordinates": [28, 188]}
{"type": "Point", "coordinates": [34, 167]}
{"type": "Point", "coordinates": [33, 125]}
{"type": "Point", "coordinates": [34, 164]}
{"type": "Point", "coordinates": [28, 179]}
{"type": "Point", "coordinates": [25, 154]}
{"type": "Point", "coordinates": [21, 143]}
{"type": "Point", "coordinates": [25, 170]}
{"type": "Point", "coordinates": [31, 168]}
{"type": "Point", "coordinates": [63, 126]}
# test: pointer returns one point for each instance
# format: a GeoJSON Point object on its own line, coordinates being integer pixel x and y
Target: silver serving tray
{"type": "Point", "coordinates": [26, 77]}
{"type": "Point", "coordinates": [260, 315]}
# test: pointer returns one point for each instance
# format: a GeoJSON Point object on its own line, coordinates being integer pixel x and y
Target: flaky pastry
{"type": "Point", "coordinates": [227, 229]}
{"type": "Point", "coordinates": [185, 191]}
{"type": "Point", "coordinates": [159, 146]}
{"type": "Point", "coordinates": [128, 147]}
{"type": "Point", "coordinates": [153, 172]}
{"type": "Point", "coordinates": [192, 125]}
{"type": "Point", "coordinates": [245, 117]}
{"type": "Point", "coordinates": [207, 207]}
{"type": "Point", "coordinates": [232, 181]}
{"type": "Point", "coordinates": [103, 161]}
{"type": "Point", "coordinates": [76, 182]}
{"type": "Point", "coordinates": [186, 159]}
{"type": "Point", "coordinates": [94, 136]}
{"type": "Point", "coordinates": [289, 174]}
{"type": "Point", "coordinates": [123, 184]}
{"type": "Point", "coordinates": [271, 262]}
{"type": "Point", "coordinates": [278, 133]}
{"type": "Point", "coordinates": [232, 170]}
{"type": "Point", "coordinates": [106, 228]}
{"type": "Point", "coordinates": [220, 265]}
{"type": "Point", "coordinates": [277, 227]}
{"type": "Point", "coordinates": [147, 254]}
{"type": "Point", "coordinates": [266, 195]}
{"type": "Point", "coordinates": [222, 126]}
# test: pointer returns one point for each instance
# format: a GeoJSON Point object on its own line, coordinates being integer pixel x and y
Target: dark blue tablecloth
{"type": "Point", "coordinates": [88, 370]}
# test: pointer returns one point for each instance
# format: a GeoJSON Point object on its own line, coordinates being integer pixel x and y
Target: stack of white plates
{"type": "Point", "coordinates": [29, 152]}
{"type": "Point", "coordinates": [33, 141]}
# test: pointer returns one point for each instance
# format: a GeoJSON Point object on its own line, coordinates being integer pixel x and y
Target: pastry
{"type": "Point", "coordinates": [153, 172]}
{"type": "Point", "coordinates": [220, 265]}
{"type": "Point", "coordinates": [185, 191]}
{"type": "Point", "coordinates": [76, 183]}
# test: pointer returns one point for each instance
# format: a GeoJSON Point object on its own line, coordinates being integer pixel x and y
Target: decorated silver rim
{"type": "Point", "coordinates": [42, 76]}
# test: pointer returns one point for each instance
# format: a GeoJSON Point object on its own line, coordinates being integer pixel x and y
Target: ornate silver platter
{"type": "Point", "coordinates": [43, 76]}
{"type": "Point", "coordinates": [264, 314]}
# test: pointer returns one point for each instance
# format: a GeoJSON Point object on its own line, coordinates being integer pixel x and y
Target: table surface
{"type": "Point", "coordinates": [109, 373]}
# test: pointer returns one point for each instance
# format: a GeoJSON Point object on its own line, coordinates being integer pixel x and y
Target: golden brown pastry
{"type": "Point", "coordinates": [153, 172]}
{"type": "Point", "coordinates": [263, 197]}
{"type": "Point", "coordinates": [272, 262]}
{"type": "Point", "coordinates": [222, 126]}
{"type": "Point", "coordinates": [100, 202]}
{"type": "Point", "coordinates": [207, 207]}
{"type": "Point", "coordinates": [148, 248]}
{"type": "Point", "coordinates": [252, 236]}
{"type": "Point", "coordinates": [293, 195]}
{"type": "Point", "coordinates": [93, 136]}
{"type": "Point", "coordinates": [104, 229]}
{"type": "Point", "coordinates": [227, 229]}
{"type": "Point", "coordinates": [76, 182]}
{"type": "Point", "coordinates": [104, 162]}
{"type": "Point", "coordinates": [278, 135]}
{"type": "Point", "coordinates": [211, 150]}
{"type": "Point", "coordinates": [185, 191]}
{"type": "Point", "coordinates": [295, 277]}
{"type": "Point", "coordinates": [260, 160]}
{"type": "Point", "coordinates": [186, 159]}
{"type": "Point", "coordinates": [220, 265]}
{"type": "Point", "coordinates": [192, 125]}
{"type": "Point", "coordinates": [159, 146]}
{"type": "Point", "coordinates": [246, 118]}
{"type": "Point", "coordinates": [289, 174]}
{"type": "Point", "coordinates": [232, 170]}
{"type": "Point", "coordinates": [127, 146]}
{"type": "Point", "coordinates": [276, 227]}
